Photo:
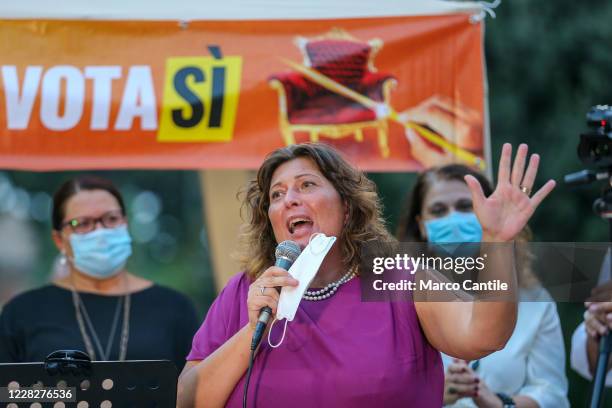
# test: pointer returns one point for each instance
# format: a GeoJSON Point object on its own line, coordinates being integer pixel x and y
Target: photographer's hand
{"type": "Point", "coordinates": [598, 322]}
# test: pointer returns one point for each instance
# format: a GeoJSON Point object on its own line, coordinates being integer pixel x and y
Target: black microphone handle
{"type": "Point", "coordinates": [599, 380]}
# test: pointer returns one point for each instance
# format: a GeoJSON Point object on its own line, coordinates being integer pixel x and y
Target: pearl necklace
{"type": "Point", "coordinates": [331, 288]}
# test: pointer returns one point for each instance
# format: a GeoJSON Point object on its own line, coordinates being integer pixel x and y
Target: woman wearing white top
{"type": "Point", "coordinates": [585, 340]}
{"type": "Point", "coordinates": [530, 371]}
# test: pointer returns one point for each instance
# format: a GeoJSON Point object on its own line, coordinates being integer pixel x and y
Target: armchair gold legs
{"type": "Point", "coordinates": [338, 131]}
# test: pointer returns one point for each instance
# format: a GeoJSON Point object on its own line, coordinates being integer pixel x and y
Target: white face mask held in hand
{"type": "Point", "coordinates": [304, 270]}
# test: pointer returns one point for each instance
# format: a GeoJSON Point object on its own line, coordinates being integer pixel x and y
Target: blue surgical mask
{"type": "Point", "coordinates": [455, 227]}
{"type": "Point", "coordinates": [101, 253]}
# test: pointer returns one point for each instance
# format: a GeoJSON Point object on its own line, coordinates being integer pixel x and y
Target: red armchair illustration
{"type": "Point", "coordinates": [306, 106]}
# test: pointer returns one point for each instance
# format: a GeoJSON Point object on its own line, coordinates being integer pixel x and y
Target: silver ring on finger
{"type": "Point", "coordinates": [262, 289]}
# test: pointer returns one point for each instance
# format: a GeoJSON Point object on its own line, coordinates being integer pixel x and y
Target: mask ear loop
{"type": "Point", "coordinates": [282, 337]}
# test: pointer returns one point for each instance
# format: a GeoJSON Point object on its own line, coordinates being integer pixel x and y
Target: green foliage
{"type": "Point", "coordinates": [548, 63]}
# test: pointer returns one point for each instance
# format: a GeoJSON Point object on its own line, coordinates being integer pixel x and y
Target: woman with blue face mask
{"type": "Point", "coordinates": [529, 371]}
{"type": "Point", "coordinates": [440, 207]}
{"type": "Point", "coordinates": [97, 306]}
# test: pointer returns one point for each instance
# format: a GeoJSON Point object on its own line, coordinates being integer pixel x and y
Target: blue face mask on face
{"type": "Point", "coordinates": [101, 253]}
{"type": "Point", "coordinates": [455, 227]}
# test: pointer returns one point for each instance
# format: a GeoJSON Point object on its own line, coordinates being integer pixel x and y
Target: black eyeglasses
{"type": "Point", "coordinates": [82, 225]}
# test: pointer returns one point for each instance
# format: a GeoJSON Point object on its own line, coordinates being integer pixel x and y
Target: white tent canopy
{"type": "Point", "coordinates": [227, 9]}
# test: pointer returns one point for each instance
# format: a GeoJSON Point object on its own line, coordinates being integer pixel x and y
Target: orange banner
{"type": "Point", "coordinates": [394, 94]}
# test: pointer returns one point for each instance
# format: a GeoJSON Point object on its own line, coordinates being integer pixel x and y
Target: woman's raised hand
{"type": "Point", "coordinates": [263, 292]}
{"type": "Point", "coordinates": [505, 213]}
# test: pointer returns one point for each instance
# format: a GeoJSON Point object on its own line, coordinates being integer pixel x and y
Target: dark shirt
{"type": "Point", "coordinates": [161, 325]}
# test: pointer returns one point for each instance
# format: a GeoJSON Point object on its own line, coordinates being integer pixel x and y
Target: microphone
{"type": "Point", "coordinates": [599, 379]}
{"type": "Point", "coordinates": [286, 253]}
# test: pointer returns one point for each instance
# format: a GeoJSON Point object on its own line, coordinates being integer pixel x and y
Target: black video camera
{"type": "Point", "coordinates": [595, 147]}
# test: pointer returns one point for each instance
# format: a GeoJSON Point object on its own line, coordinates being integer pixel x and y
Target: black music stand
{"type": "Point", "coordinates": [106, 384]}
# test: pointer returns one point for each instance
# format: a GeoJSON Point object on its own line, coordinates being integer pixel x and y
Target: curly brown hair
{"type": "Point", "coordinates": [364, 223]}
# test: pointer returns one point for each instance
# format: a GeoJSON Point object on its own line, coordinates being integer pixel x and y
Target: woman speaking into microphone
{"type": "Point", "coordinates": [339, 351]}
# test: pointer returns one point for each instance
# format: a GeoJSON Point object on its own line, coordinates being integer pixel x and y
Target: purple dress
{"type": "Point", "coordinates": [338, 352]}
